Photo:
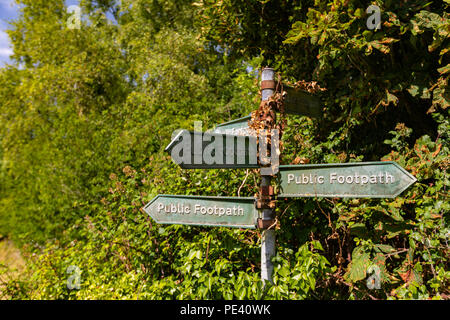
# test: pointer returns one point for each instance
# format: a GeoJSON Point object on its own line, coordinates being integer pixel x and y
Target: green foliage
{"type": "Point", "coordinates": [128, 256]}
{"type": "Point", "coordinates": [85, 116]}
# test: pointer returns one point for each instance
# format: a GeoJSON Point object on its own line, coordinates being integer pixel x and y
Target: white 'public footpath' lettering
{"type": "Point", "coordinates": [181, 208]}
{"type": "Point", "coordinates": [383, 178]}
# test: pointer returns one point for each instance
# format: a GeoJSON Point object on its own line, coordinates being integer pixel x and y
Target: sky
{"type": "Point", "coordinates": [8, 12]}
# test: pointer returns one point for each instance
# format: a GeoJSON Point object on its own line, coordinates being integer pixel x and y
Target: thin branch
{"type": "Point", "coordinates": [245, 179]}
{"type": "Point", "coordinates": [286, 209]}
{"type": "Point", "coordinates": [207, 250]}
{"type": "Point", "coordinates": [273, 224]}
{"type": "Point", "coordinates": [357, 289]}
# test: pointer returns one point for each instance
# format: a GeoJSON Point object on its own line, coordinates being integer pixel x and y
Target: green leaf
{"type": "Point", "coordinates": [358, 266]}
{"type": "Point", "coordinates": [385, 248]}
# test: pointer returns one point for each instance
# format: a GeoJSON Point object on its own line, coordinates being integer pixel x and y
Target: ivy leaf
{"type": "Point", "coordinates": [385, 248]}
{"type": "Point", "coordinates": [419, 90]}
{"type": "Point", "coordinates": [445, 69]}
{"type": "Point", "coordinates": [358, 266]}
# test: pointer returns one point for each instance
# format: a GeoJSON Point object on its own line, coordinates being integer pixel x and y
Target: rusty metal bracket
{"type": "Point", "coordinates": [268, 84]}
{"type": "Point", "coordinates": [265, 198]}
{"type": "Point", "coordinates": [265, 224]}
{"type": "Point", "coordinates": [267, 191]}
{"type": "Point", "coordinates": [261, 204]}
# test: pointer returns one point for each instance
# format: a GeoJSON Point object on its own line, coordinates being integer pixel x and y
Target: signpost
{"type": "Point", "coordinates": [234, 145]}
{"type": "Point", "coordinates": [267, 214]}
{"type": "Point", "coordinates": [209, 150]}
{"type": "Point", "coordinates": [236, 127]}
{"type": "Point", "coordinates": [345, 180]}
{"type": "Point", "coordinates": [237, 212]}
{"type": "Point", "coordinates": [301, 103]}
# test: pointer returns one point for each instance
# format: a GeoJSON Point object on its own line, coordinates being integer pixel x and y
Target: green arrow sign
{"type": "Point", "coordinates": [345, 180]}
{"type": "Point", "coordinates": [206, 150]}
{"type": "Point", "coordinates": [302, 103]}
{"type": "Point", "coordinates": [235, 127]}
{"type": "Point", "coordinates": [237, 212]}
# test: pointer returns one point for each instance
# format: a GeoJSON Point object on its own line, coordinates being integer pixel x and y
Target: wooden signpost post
{"type": "Point", "coordinates": [234, 145]}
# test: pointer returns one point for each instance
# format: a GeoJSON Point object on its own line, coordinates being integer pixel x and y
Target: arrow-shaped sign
{"type": "Point", "coordinates": [237, 212]}
{"type": "Point", "coordinates": [301, 103]}
{"type": "Point", "coordinates": [236, 127]}
{"type": "Point", "coordinates": [209, 150]}
{"type": "Point", "coordinates": [345, 180]}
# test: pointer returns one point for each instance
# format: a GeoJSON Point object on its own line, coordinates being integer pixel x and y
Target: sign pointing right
{"type": "Point", "coordinates": [385, 179]}
{"type": "Point", "coordinates": [302, 103]}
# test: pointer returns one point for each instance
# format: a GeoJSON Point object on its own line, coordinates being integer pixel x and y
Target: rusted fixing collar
{"type": "Point", "coordinates": [268, 84]}
{"type": "Point", "coordinates": [265, 224]}
{"type": "Point", "coordinates": [267, 191]}
{"type": "Point", "coordinates": [261, 204]}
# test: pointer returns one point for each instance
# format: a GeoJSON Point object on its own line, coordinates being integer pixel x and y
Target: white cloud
{"type": "Point", "coordinates": [7, 3]}
{"type": "Point", "coordinates": [5, 48]}
{"type": "Point", "coordinates": [5, 52]}
{"type": "Point", "coordinates": [7, 7]}
{"type": "Point", "coordinates": [8, 11]}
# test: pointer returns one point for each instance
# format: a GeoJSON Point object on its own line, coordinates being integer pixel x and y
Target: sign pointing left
{"type": "Point", "coordinates": [213, 150]}
{"type": "Point", "coordinates": [237, 212]}
{"type": "Point", "coordinates": [237, 127]}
